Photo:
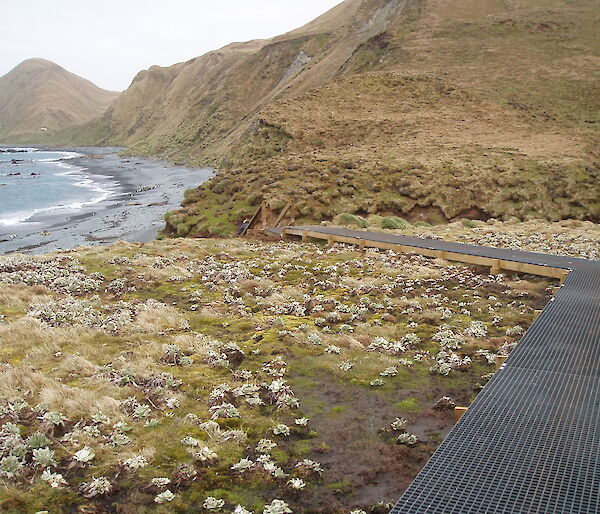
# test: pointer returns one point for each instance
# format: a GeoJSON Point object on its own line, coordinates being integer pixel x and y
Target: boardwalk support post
{"type": "Point", "coordinates": [496, 269]}
{"type": "Point", "coordinates": [458, 412]}
{"type": "Point", "coordinates": [253, 220]}
{"type": "Point", "coordinates": [500, 360]}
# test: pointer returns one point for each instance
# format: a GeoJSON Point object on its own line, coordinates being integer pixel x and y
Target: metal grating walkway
{"type": "Point", "coordinates": [530, 442]}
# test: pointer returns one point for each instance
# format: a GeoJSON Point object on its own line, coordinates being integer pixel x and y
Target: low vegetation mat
{"type": "Point", "coordinates": [235, 376]}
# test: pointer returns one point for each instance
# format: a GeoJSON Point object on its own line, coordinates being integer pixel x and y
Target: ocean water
{"type": "Point", "coordinates": [34, 181]}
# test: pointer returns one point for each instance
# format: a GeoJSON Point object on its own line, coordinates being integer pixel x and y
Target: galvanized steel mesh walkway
{"type": "Point", "coordinates": [530, 442]}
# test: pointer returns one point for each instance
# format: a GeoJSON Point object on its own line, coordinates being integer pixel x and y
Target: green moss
{"type": "Point", "coordinates": [469, 223]}
{"type": "Point", "coordinates": [409, 405]}
{"type": "Point", "coordinates": [37, 498]}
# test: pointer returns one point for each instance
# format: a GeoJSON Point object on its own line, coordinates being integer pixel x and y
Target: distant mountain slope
{"type": "Point", "coordinates": [199, 108]}
{"type": "Point", "coordinates": [38, 93]}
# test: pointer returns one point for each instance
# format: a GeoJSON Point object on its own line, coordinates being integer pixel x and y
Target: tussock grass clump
{"type": "Point", "coordinates": [351, 220]}
{"type": "Point", "coordinates": [394, 223]}
{"type": "Point", "coordinates": [183, 229]}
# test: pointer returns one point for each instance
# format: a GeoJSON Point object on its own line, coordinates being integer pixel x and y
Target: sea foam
{"type": "Point", "coordinates": [49, 170]}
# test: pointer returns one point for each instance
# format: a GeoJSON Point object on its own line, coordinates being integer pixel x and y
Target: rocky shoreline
{"type": "Point", "coordinates": [144, 189]}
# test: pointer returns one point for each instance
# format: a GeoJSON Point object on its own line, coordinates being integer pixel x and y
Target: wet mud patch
{"type": "Point", "coordinates": [363, 466]}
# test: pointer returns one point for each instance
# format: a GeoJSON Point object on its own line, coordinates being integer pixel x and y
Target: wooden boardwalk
{"type": "Point", "coordinates": [530, 442]}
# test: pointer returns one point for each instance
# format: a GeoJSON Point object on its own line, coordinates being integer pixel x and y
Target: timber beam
{"type": "Point", "coordinates": [495, 265]}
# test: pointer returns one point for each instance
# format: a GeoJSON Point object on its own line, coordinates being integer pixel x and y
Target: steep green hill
{"type": "Point", "coordinates": [484, 111]}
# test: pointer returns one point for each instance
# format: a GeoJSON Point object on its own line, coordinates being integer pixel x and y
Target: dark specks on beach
{"type": "Point", "coordinates": [146, 190]}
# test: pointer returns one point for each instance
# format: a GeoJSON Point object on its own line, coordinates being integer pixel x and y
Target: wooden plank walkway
{"type": "Point", "coordinates": [530, 442]}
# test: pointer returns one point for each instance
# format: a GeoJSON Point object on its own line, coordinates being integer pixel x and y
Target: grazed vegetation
{"type": "Point", "coordinates": [233, 376]}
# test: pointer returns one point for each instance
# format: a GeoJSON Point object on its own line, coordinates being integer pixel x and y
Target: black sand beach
{"type": "Point", "coordinates": [144, 190]}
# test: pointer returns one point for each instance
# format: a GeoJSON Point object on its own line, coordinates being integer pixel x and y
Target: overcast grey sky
{"type": "Point", "coordinates": [109, 41]}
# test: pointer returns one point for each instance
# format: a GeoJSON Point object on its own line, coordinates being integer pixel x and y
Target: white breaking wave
{"type": "Point", "coordinates": [103, 193]}
{"type": "Point", "coordinates": [23, 217]}
{"type": "Point", "coordinates": [19, 149]}
{"type": "Point", "coordinates": [63, 156]}
{"type": "Point", "coordinates": [86, 182]}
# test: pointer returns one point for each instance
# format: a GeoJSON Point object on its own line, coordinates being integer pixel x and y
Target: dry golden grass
{"type": "Point", "coordinates": [22, 293]}
{"type": "Point", "coordinates": [22, 381]}
{"type": "Point", "coordinates": [159, 319]}
{"type": "Point", "coordinates": [476, 111]}
{"type": "Point", "coordinates": [38, 93]}
{"type": "Point", "coordinates": [76, 364]}
{"type": "Point", "coordinates": [28, 337]}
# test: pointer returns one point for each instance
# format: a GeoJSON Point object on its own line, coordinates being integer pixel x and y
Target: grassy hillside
{"type": "Point", "coordinates": [410, 108]}
{"type": "Point", "coordinates": [187, 375]}
{"type": "Point", "coordinates": [194, 111]}
{"type": "Point", "coordinates": [38, 93]}
{"type": "Point", "coordinates": [482, 112]}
